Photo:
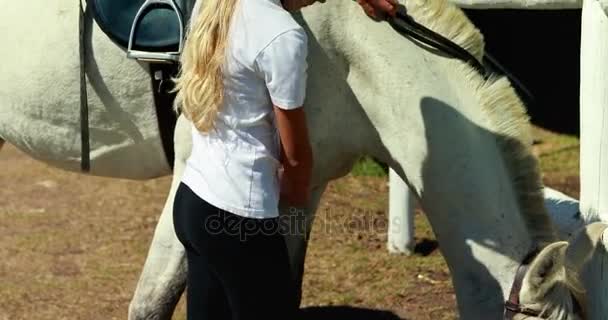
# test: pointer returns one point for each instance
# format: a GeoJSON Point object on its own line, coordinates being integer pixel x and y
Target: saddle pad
{"type": "Point", "coordinates": [158, 29]}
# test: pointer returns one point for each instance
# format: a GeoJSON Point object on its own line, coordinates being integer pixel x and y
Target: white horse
{"type": "Point", "coordinates": [460, 142]}
{"type": "Point", "coordinates": [40, 94]}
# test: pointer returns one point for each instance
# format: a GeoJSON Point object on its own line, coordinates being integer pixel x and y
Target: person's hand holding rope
{"type": "Point", "coordinates": [379, 9]}
{"type": "Point", "coordinates": [375, 9]}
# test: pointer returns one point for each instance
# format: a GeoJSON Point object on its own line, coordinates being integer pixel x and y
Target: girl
{"type": "Point", "coordinates": [242, 85]}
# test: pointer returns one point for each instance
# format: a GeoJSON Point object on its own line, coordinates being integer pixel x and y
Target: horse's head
{"type": "Point", "coordinates": [551, 287]}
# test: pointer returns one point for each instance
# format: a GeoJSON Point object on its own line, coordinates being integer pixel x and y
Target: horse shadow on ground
{"type": "Point", "coordinates": [346, 313]}
{"type": "Point", "coordinates": [425, 247]}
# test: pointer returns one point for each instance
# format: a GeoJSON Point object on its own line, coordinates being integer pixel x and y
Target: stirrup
{"type": "Point", "coordinates": [156, 57]}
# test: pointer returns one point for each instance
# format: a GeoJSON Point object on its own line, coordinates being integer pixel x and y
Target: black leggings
{"type": "Point", "coordinates": [238, 268]}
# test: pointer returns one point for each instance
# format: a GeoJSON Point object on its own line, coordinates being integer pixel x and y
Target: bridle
{"type": "Point", "coordinates": [512, 306]}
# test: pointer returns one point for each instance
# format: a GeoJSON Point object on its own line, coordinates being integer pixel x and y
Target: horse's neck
{"type": "Point", "coordinates": [433, 132]}
{"type": "Point", "coordinates": [457, 168]}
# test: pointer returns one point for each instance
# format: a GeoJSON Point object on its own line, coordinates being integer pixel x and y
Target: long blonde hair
{"type": "Point", "coordinates": [199, 84]}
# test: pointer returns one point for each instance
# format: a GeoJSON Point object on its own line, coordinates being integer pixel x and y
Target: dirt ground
{"type": "Point", "coordinates": [72, 246]}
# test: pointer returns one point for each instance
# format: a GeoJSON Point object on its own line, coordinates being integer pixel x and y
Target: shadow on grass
{"type": "Point", "coordinates": [346, 313]}
{"type": "Point", "coordinates": [426, 247]}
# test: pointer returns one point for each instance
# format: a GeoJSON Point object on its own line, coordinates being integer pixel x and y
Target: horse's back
{"type": "Point", "coordinates": [40, 93]}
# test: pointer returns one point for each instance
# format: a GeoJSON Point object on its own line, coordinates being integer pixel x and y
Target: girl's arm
{"type": "Point", "coordinates": [296, 155]}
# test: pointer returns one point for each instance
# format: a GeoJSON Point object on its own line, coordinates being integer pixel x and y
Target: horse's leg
{"type": "Point", "coordinates": [1, 143]}
{"type": "Point", "coordinates": [297, 239]}
{"type": "Point", "coordinates": [163, 278]}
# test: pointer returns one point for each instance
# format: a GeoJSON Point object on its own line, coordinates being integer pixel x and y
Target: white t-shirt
{"type": "Point", "coordinates": [234, 167]}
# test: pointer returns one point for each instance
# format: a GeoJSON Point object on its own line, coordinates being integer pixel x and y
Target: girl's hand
{"type": "Point", "coordinates": [378, 9]}
{"type": "Point", "coordinates": [295, 5]}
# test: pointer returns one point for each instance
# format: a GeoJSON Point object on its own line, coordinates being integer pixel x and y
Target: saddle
{"type": "Point", "coordinates": [151, 30]}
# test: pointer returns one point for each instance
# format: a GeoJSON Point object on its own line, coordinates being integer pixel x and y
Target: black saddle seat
{"type": "Point", "coordinates": [159, 27]}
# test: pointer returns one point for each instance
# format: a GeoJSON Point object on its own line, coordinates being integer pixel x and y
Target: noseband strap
{"type": "Point", "coordinates": [512, 305]}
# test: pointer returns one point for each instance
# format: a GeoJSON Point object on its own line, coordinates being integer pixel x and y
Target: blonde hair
{"type": "Point", "coordinates": [199, 84]}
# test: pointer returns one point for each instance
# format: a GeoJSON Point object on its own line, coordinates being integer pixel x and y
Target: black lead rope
{"type": "Point", "coordinates": [405, 25]}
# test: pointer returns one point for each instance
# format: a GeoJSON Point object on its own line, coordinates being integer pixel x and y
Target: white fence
{"type": "Point", "coordinates": [519, 4]}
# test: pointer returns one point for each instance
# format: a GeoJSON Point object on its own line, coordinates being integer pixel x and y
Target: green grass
{"type": "Point", "coordinates": [558, 153]}
{"type": "Point", "coordinates": [368, 167]}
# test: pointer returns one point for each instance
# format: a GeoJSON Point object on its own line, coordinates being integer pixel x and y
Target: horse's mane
{"type": "Point", "coordinates": [511, 127]}
{"type": "Point", "coordinates": [504, 112]}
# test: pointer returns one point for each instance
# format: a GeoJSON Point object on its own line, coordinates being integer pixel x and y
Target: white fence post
{"type": "Point", "coordinates": [518, 4]}
{"type": "Point", "coordinates": [400, 216]}
{"type": "Point", "coordinates": [594, 143]}
{"type": "Point", "coordinates": [594, 111]}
